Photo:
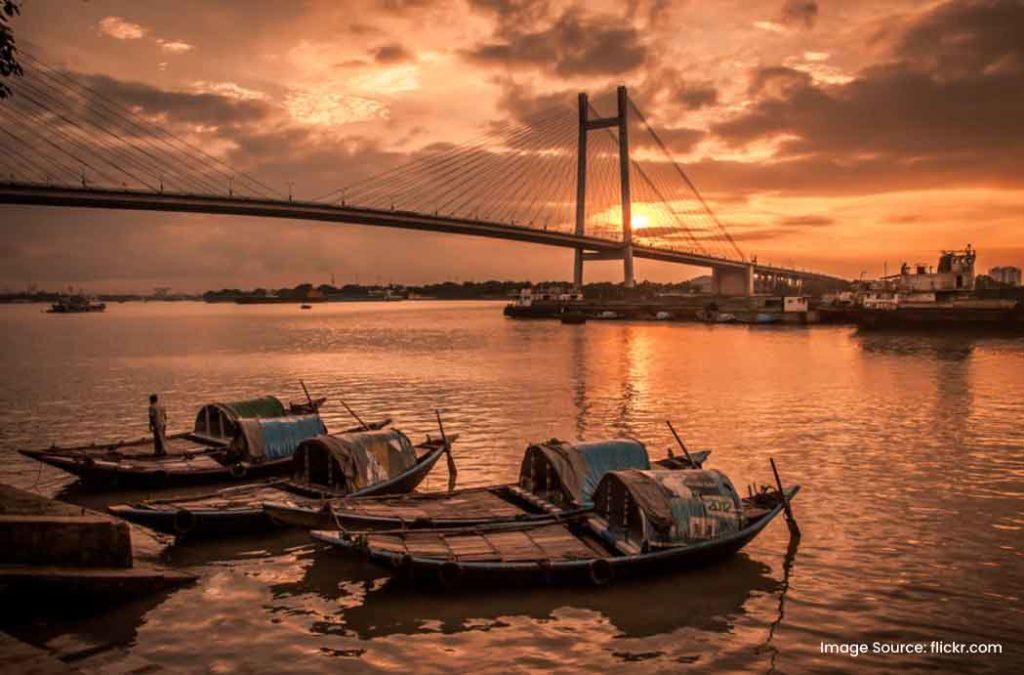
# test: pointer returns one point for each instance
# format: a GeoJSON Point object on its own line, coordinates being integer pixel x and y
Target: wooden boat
{"type": "Point", "coordinates": [76, 304]}
{"type": "Point", "coordinates": [556, 479]}
{"type": "Point", "coordinates": [643, 522]}
{"type": "Point", "coordinates": [241, 440]}
{"type": "Point", "coordinates": [358, 463]}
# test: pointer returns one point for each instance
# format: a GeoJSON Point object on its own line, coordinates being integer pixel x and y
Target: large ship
{"type": "Point", "coordinates": [946, 297]}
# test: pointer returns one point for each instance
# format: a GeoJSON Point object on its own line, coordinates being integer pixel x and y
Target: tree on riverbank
{"type": "Point", "coordinates": [9, 66]}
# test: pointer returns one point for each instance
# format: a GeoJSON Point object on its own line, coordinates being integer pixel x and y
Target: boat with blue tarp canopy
{"type": "Point", "coordinates": [356, 463]}
{"type": "Point", "coordinates": [671, 506]}
{"type": "Point", "coordinates": [273, 439]}
{"type": "Point", "coordinates": [571, 471]}
{"type": "Point", "coordinates": [642, 522]}
{"type": "Point", "coordinates": [232, 441]}
{"type": "Point", "coordinates": [556, 480]}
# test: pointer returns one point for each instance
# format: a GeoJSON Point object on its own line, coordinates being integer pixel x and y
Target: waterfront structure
{"type": "Point", "coordinates": [955, 272]}
{"type": "Point", "coordinates": [1006, 275]}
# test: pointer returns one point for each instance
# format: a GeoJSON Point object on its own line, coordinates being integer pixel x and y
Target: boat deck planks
{"type": "Point", "coordinates": [242, 497]}
{"type": "Point", "coordinates": [474, 502]}
{"type": "Point", "coordinates": [548, 542]}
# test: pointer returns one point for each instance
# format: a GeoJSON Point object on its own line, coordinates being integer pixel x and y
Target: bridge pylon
{"type": "Point", "coordinates": [587, 124]}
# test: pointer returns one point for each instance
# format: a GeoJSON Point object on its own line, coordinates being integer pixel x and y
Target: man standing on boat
{"type": "Point", "coordinates": [158, 425]}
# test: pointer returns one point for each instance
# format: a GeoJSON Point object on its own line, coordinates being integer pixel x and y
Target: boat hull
{"type": "Point", "coordinates": [942, 318]}
{"type": "Point", "coordinates": [189, 522]}
{"type": "Point", "coordinates": [101, 466]}
{"type": "Point", "coordinates": [104, 474]}
{"type": "Point", "coordinates": [438, 572]}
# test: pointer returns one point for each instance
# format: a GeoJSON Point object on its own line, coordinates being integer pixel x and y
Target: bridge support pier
{"type": "Point", "coordinates": [733, 281]}
{"type": "Point", "coordinates": [621, 123]}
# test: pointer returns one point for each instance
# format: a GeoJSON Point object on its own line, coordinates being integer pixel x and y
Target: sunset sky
{"type": "Point", "coordinates": [830, 135]}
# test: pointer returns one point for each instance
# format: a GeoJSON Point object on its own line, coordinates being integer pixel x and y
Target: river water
{"type": "Point", "coordinates": [909, 449]}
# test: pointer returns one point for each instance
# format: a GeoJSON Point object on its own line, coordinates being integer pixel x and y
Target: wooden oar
{"type": "Point", "coordinates": [794, 529]}
{"type": "Point", "coordinates": [453, 471]}
{"type": "Point", "coordinates": [681, 445]}
{"type": "Point", "coordinates": [353, 414]}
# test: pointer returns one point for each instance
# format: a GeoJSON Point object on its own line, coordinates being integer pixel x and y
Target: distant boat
{"type": "Point", "coordinates": [573, 317]}
{"type": "Point", "coordinates": [75, 304]}
{"type": "Point", "coordinates": [306, 307]}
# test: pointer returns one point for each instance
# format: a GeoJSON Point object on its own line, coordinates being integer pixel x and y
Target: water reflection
{"type": "Point", "coordinates": [74, 631]}
{"type": "Point", "coordinates": [709, 599]}
{"type": "Point", "coordinates": [944, 347]}
{"type": "Point", "coordinates": [787, 569]}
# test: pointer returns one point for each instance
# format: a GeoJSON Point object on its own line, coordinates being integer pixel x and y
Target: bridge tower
{"type": "Point", "coordinates": [586, 125]}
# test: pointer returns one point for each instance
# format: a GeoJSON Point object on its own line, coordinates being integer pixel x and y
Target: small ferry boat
{"type": "Point", "coordinates": [76, 304]}
{"type": "Point", "coordinates": [643, 522]}
{"type": "Point", "coordinates": [233, 441]}
{"type": "Point", "coordinates": [352, 464]}
{"type": "Point", "coordinates": [556, 479]}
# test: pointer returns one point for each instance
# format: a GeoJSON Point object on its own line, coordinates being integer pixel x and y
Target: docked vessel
{"type": "Point", "coordinates": [945, 298]}
{"type": "Point", "coordinates": [556, 479]}
{"type": "Point", "coordinates": [545, 302]}
{"type": "Point", "coordinates": [233, 441]}
{"type": "Point", "coordinates": [642, 522]}
{"type": "Point", "coordinates": [353, 464]}
{"type": "Point", "coordinates": [76, 304]}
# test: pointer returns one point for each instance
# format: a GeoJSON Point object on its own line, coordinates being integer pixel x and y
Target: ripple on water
{"type": "Point", "coordinates": [909, 450]}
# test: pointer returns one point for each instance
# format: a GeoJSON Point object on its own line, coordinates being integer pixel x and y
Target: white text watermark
{"type": "Point", "coordinates": [941, 647]}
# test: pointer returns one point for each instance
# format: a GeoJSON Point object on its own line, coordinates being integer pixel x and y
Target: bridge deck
{"type": "Point", "coordinates": [46, 195]}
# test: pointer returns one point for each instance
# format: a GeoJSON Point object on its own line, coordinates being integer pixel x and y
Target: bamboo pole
{"type": "Point", "coordinates": [453, 471]}
{"type": "Point", "coordinates": [681, 444]}
{"type": "Point", "coordinates": [794, 529]}
{"type": "Point", "coordinates": [353, 414]}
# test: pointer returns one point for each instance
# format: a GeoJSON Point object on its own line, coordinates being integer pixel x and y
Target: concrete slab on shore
{"type": "Point", "coordinates": [54, 554]}
{"type": "Point", "coordinates": [35, 530]}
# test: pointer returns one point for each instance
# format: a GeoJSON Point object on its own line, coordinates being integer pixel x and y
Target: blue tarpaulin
{"type": "Point", "coordinates": [580, 466]}
{"type": "Point", "coordinates": [604, 456]}
{"type": "Point", "coordinates": [272, 439]}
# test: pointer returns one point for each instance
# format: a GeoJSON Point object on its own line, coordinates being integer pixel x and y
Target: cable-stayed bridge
{"type": "Point", "coordinates": [605, 186]}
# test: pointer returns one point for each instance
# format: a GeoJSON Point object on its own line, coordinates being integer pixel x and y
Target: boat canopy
{"type": "Point", "coordinates": [264, 406]}
{"type": "Point", "coordinates": [568, 473]}
{"type": "Point", "coordinates": [277, 438]}
{"type": "Point", "coordinates": [219, 420]}
{"type": "Point", "coordinates": [355, 460]}
{"type": "Point", "coordinates": [669, 507]}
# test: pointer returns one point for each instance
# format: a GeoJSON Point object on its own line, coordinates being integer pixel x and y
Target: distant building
{"type": "Point", "coordinates": [1006, 275]}
{"type": "Point", "coordinates": [955, 273]}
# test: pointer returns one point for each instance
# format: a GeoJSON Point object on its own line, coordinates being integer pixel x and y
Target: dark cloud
{"type": "Point", "coordinates": [964, 39]}
{"type": "Point", "coordinates": [174, 106]}
{"type": "Point", "coordinates": [526, 105]}
{"type": "Point", "coordinates": [698, 96]}
{"type": "Point", "coordinates": [799, 12]}
{"type": "Point", "coordinates": [938, 108]}
{"type": "Point", "coordinates": [392, 53]}
{"type": "Point", "coordinates": [514, 14]}
{"type": "Point", "coordinates": [573, 44]}
{"type": "Point", "coordinates": [679, 140]}
{"type": "Point", "coordinates": [399, 6]}
{"type": "Point", "coordinates": [806, 221]}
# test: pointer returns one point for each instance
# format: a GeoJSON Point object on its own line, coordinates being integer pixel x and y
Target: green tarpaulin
{"type": "Point", "coordinates": [265, 406]}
